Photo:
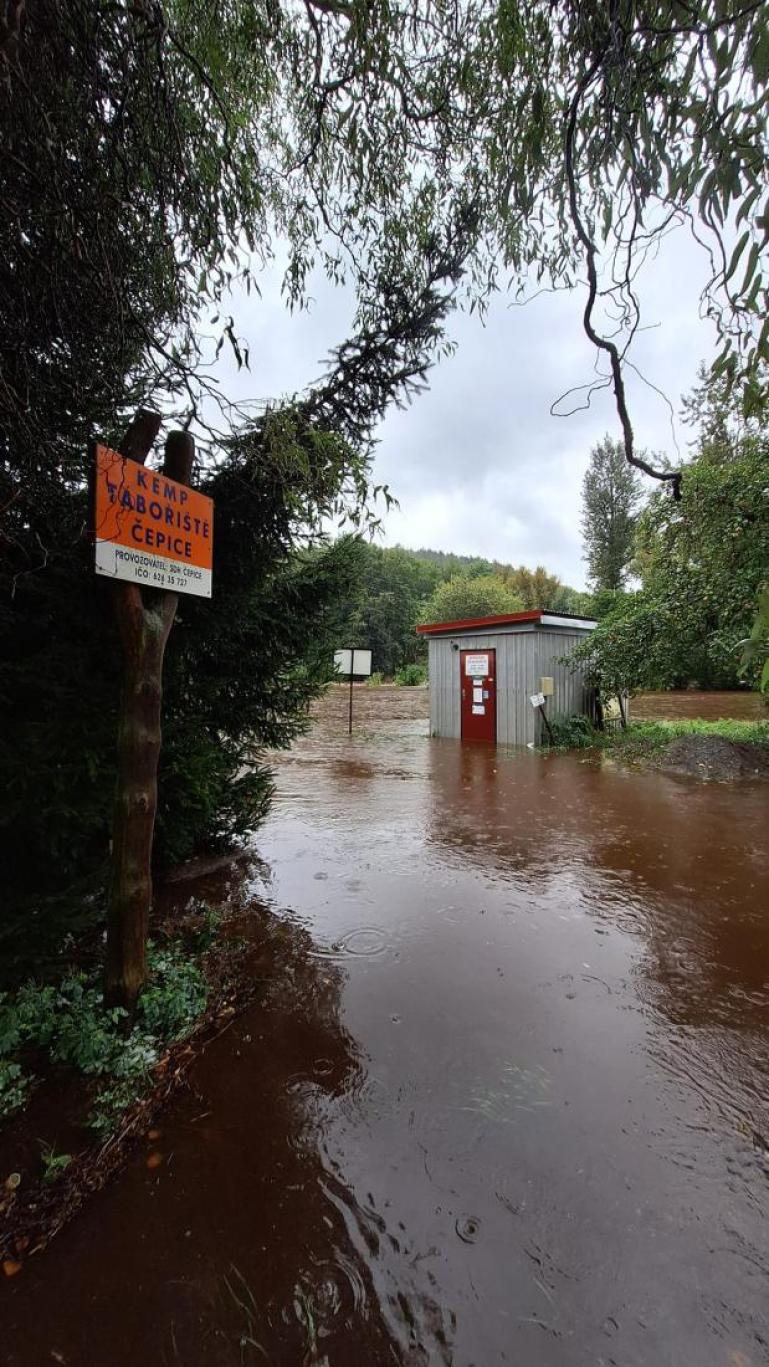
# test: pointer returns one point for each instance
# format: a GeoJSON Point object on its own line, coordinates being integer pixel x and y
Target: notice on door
{"type": "Point", "coordinates": [477, 666]}
{"type": "Point", "coordinates": [151, 530]}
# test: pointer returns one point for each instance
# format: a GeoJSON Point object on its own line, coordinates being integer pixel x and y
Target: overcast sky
{"type": "Point", "coordinates": [478, 464]}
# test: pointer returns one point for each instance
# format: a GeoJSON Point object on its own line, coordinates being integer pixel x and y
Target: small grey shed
{"type": "Point", "coordinates": [484, 672]}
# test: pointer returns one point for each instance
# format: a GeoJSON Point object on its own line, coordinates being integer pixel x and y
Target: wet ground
{"type": "Point", "coordinates": [505, 1099]}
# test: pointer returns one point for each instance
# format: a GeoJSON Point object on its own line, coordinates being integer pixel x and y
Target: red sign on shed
{"type": "Point", "coordinates": [151, 530]}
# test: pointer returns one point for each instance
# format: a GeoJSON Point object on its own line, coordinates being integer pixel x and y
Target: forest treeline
{"type": "Point", "coordinates": [395, 588]}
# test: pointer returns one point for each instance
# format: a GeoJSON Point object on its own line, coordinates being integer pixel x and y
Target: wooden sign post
{"type": "Point", "coordinates": [538, 700]}
{"type": "Point", "coordinates": [145, 607]}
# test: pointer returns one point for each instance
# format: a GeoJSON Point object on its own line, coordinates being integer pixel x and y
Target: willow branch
{"type": "Point", "coordinates": [673, 477]}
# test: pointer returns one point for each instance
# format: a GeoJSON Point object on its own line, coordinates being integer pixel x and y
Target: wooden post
{"type": "Point", "coordinates": [551, 737]}
{"type": "Point", "coordinates": [144, 619]}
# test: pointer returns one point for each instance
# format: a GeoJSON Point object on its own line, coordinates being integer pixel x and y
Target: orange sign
{"type": "Point", "coordinates": [150, 529]}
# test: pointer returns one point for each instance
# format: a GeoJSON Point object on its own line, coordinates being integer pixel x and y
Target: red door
{"type": "Point", "coordinates": [478, 689]}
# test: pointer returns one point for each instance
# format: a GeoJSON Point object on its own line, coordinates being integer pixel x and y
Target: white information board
{"type": "Point", "coordinates": [477, 666]}
{"type": "Point", "coordinates": [537, 699]}
{"type": "Point", "coordinates": [345, 664]}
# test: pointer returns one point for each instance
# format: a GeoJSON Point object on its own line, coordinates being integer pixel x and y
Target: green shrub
{"type": "Point", "coordinates": [411, 676]}
{"type": "Point", "coordinates": [175, 996]}
{"type": "Point", "coordinates": [13, 1087]}
{"type": "Point", "coordinates": [375, 680]}
{"type": "Point", "coordinates": [54, 1164]}
{"type": "Point", "coordinates": [70, 1023]}
{"type": "Point", "coordinates": [572, 733]}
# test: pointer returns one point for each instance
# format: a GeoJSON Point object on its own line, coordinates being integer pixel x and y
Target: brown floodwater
{"type": "Point", "coordinates": [504, 1098]}
{"type": "Point", "coordinates": [688, 704]}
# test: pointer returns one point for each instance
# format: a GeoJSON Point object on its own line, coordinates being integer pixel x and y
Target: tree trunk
{"type": "Point", "coordinates": [144, 620]}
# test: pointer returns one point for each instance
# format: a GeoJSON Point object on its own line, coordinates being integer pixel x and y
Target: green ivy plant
{"type": "Point", "coordinates": [69, 1022]}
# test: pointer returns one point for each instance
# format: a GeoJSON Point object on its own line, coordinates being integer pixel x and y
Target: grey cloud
{"type": "Point", "coordinates": [478, 463]}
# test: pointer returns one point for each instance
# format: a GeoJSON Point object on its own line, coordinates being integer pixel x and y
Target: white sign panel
{"type": "Point", "coordinates": [537, 699]}
{"type": "Point", "coordinates": [152, 571]}
{"type": "Point", "coordinates": [349, 662]}
{"type": "Point", "coordinates": [479, 711]}
{"type": "Point", "coordinates": [477, 666]}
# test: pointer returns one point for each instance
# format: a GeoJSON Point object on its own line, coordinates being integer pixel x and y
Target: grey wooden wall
{"type": "Point", "coordinates": [523, 656]}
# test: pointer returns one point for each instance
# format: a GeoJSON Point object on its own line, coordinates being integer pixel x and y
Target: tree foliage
{"type": "Point", "coordinates": [610, 498]}
{"type": "Point", "coordinates": [702, 562]}
{"type": "Point", "coordinates": [554, 140]}
{"type": "Point", "coordinates": [152, 156]}
{"type": "Point", "coordinates": [462, 597]}
{"type": "Point", "coordinates": [238, 679]}
{"type": "Point", "coordinates": [538, 588]}
{"type": "Point", "coordinates": [390, 589]}
{"type": "Point", "coordinates": [755, 647]}
{"type": "Point", "coordinates": [394, 588]}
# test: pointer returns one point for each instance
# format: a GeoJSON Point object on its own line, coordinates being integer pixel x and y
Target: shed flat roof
{"type": "Point", "coordinates": [506, 619]}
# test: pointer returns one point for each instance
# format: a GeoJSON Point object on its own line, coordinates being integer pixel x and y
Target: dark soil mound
{"type": "Point", "coordinates": [716, 757]}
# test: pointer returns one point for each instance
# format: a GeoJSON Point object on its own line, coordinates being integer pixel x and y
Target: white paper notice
{"type": "Point", "coordinates": [477, 666]}
{"type": "Point", "coordinates": [479, 711]}
{"type": "Point", "coordinates": [477, 693]}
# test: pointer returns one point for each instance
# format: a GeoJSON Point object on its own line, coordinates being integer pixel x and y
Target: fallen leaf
{"type": "Point", "coordinates": [154, 1134]}
{"type": "Point", "coordinates": [10, 1268]}
{"type": "Point", "coordinates": [154, 1160]}
{"type": "Point", "coordinates": [13, 1181]}
{"type": "Point", "coordinates": [22, 1243]}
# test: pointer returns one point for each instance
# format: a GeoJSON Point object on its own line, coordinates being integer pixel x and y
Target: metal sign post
{"type": "Point", "coordinates": [351, 662]}
{"type": "Point", "coordinates": [352, 671]}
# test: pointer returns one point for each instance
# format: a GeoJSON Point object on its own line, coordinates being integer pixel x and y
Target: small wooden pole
{"type": "Point", "coordinates": [352, 671]}
{"type": "Point", "coordinates": [144, 622]}
{"type": "Point", "coordinates": [547, 723]}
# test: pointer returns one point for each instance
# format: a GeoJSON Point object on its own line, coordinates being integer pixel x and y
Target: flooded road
{"type": "Point", "coordinates": [504, 1100]}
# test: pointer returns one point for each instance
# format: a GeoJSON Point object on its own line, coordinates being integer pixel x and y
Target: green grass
{"type": "Point", "coordinates": [69, 1023]}
{"type": "Point", "coordinates": [647, 739]}
{"type": "Point", "coordinates": [650, 737]}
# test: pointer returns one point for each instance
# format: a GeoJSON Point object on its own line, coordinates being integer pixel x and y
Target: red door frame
{"type": "Point", "coordinates": [478, 726]}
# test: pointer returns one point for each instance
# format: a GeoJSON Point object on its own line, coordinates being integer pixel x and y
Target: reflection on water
{"type": "Point", "coordinates": [505, 1100]}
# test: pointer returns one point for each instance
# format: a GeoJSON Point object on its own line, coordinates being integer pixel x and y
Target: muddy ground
{"type": "Point", "coordinates": [503, 1098]}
